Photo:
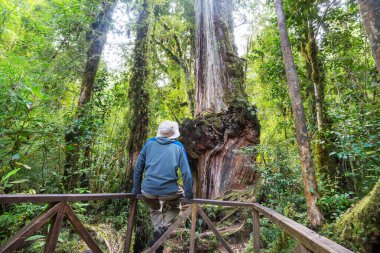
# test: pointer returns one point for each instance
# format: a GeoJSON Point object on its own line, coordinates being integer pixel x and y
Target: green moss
{"type": "Point", "coordinates": [235, 69]}
{"type": "Point", "coordinates": [359, 228]}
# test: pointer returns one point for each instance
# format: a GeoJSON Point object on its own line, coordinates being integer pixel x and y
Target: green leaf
{"type": "Point", "coordinates": [11, 173]}
{"type": "Point", "coordinates": [36, 90]}
{"type": "Point", "coordinates": [35, 237]}
{"type": "Point", "coordinates": [70, 147]}
{"type": "Point", "coordinates": [23, 165]}
{"type": "Point", "coordinates": [19, 181]}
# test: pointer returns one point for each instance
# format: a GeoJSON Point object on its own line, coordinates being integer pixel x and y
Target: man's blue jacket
{"type": "Point", "coordinates": [160, 158]}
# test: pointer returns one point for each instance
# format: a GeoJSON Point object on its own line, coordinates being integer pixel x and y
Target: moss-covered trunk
{"type": "Point", "coordinates": [213, 143]}
{"type": "Point", "coordinates": [359, 227]}
{"type": "Point", "coordinates": [77, 144]}
{"type": "Point", "coordinates": [225, 122]}
{"type": "Point", "coordinates": [324, 164]}
{"type": "Point", "coordinates": [138, 92]}
{"type": "Point", "coordinates": [139, 99]}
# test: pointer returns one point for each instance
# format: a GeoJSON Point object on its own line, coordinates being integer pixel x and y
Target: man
{"type": "Point", "coordinates": [160, 159]}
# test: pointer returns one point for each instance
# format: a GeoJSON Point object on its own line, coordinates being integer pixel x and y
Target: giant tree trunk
{"type": "Point", "coordinates": [225, 121]}
{"type": "Point", "coordinates": [138, 92]}
{"type": "Point", "coordinates": [308, 175]}
{"type": "Point", "coordinates": [219, 71]}
{"type": "Point", "coordinates": [370, 11]}
{"type": "Point", "coordinates": [76, 143]}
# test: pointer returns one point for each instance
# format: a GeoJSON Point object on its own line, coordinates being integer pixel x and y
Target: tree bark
{"type": "Point", "coordinates": [308, 175]}
{"type": "Point", "coordinates": [225, 122]}
{"type": "Point", "coordinates": [219, 70]}
{"type": "Point", "coordinates": [325, 164]}
{"type": "Point", "coordinates": [138, 91]}
{"type": "Point", "coordinates": [316, 78]}
{"type": "Point", "coordinates": [76, 145]}
{"type": "Point", "coordinates": [370, 12]}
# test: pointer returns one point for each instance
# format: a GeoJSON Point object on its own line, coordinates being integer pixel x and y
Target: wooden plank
{"type": "Point", "coordinates": [213, 228]}
{"type": "Point", "coordinates": [165, 236]}
{"type": "Point", "coordinates": [43, 198]}
{"type": "Point", "coordinates": [17, 240]}
{"type": "Point", "coordinates": [131, 223]}
{"type": "Point", "coordinates": [256, 231]}
{"type": "Point", "coordinates": [55, 228]}
{"type": "Point", "coordinates": [302, 234]}
{"type": "Point", "coordinates": [73, 218]}
{"type": "Point", "coordinates": [194, 212]}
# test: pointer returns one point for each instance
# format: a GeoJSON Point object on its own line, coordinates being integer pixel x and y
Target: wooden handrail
{"type": "Point", "coordinates": [306, 237]}
{"type": "Point", "coordinates": [51, 198]}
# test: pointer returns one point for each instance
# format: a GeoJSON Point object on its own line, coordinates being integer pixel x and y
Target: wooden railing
{"type": "Point", "coordinates": [308, 240]}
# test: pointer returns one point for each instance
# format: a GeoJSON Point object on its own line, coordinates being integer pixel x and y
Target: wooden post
{"type": "Point", "coordinates": [55, 228]}
{"type": "Point", "coordinates": [193, 226]}
{"type": "Point", "coordinates": [73, 218]}
{"type": "Point", "coordinates": [170, 230]}
{"type": "Point", "coordinates": [131, 223]}
{"type": "Point", "coordinates": [213, 228]}
{"type": "Point", "coordinates": [256, 231]}
{"type": "Point", "coordinates": [300, 248]}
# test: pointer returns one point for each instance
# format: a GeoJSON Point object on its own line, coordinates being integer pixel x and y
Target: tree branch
{"type": "Point", "coordinates": [174, 57]}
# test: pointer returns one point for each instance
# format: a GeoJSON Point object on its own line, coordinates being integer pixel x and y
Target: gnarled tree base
{"type": "Point", "coordinates": [213, 143]}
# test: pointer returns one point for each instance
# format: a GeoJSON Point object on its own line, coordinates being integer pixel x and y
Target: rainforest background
{"type": "Point", "coordinates": [84, 83]}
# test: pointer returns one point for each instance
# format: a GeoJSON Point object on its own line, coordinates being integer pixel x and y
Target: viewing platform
{"type": "Point", "coordinates": [59, 208]}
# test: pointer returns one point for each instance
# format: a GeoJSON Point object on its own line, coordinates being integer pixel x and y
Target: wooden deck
{"type": "Point", "coordinates": [59, 208]}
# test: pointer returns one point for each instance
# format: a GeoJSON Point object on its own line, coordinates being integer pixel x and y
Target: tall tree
{"type": "Point", "coordinates": [138, 91]}
{"type": "Point", "coordinates": [76, 142]}
{"type": "Point", "coordinates": [308, 26]}
{"type": "Point", "coordinates": [370, 11]}
{"type": "Point", "coordinates": [308, 175]}
{"type": "Point", "coordinates": [225, 122]}
{"type": "Point", "coordinates": [138, 98]}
